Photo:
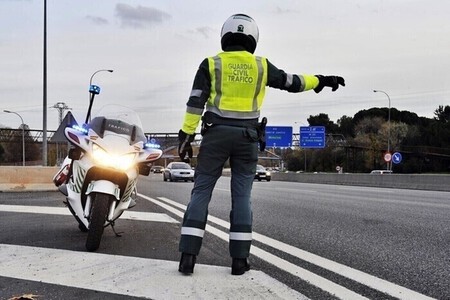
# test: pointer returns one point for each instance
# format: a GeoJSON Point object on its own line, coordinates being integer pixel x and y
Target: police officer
{"type": "Point", "coordinates": [227, 95]}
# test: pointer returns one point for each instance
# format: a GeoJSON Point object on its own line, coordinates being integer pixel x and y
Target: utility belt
{"type": "Point", "coordinates": [210, 120]}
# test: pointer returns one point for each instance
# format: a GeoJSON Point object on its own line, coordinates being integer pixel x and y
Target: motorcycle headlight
{"type": "Point", "coordinates": [122, 162]}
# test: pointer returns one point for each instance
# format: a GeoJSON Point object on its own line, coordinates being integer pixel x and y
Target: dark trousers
{"type": "Point", "coordinates": [219, 144]}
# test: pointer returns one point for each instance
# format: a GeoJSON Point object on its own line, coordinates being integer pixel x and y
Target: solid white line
{"type": "Point", "coordinates": [303, 274]}
{"type": "Point", "coordinates": [163, 205]}
{"type": "Point", "coordinates": [147, 216]}
{"type": "Point", "coordinates": [343, 270]}
{"type": "Point", "coordinates": [127, 215]}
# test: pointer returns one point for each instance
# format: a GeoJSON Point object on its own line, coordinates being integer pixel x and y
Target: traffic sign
{"type": "Point", "coordinates": [387, 157]}
{"type": "Point", "coordinates": [312, 136]}
{"type": "Point", "coordinates": [278, 136]}
{"type": "Point", "coordinates": [396, 157]}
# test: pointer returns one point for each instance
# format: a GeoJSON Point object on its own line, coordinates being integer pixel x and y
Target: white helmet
{"type": "Point", "coordinates": [240, 29]}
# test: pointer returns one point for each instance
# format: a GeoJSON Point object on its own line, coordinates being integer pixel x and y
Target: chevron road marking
{"type": "Point", "coordinates": [135, 276]}
{"type": "Point", "coordinates": [131, 276]}
{"type": "Point", "coordinates": [324, 284]}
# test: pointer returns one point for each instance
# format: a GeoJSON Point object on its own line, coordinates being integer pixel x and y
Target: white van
{"type": "Point", "coordinates": [381, 172]}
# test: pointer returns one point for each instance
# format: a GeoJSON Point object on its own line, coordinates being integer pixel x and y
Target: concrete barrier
{"type": "Point", "coordinates": [33, 178]}
{"type": "Point", "coordinates": [401, 181]}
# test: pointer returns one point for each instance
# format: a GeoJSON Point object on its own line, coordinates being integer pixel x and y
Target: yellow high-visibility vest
{"type": "Point", "coordinates": [238, 81]}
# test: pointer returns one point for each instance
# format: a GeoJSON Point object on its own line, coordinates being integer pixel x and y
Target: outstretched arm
{"type": "Point", "coordinates": [294, 83]}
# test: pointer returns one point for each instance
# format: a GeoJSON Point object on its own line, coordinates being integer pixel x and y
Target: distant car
{"type": "Point", "coordinates": [381, 172]}
{"type": "Point", "coordinates": [262, 173]}
{"type": "Point", "coordinates": [157, 169]}
{"type": "Point", "coordinates": [178, 171]}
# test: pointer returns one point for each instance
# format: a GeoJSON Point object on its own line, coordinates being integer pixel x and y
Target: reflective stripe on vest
{"type": "Point", "coordinates": [238, 81]}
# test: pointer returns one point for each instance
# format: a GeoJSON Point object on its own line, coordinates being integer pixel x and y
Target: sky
{"type": "Point", "coordinates": [155, 47]}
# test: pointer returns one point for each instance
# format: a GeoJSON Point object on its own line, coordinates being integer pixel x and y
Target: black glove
{"type": "Point", "coordinates": [331, 81]}
{"type": "Point", "coordinates": [184, 146]}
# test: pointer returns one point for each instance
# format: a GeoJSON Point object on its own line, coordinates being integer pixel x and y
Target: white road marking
{"type": "Point", "coordinates": [127, 215]}
{"type": "Point", "coordinates": [343, 270]}
{"type": "Point", "coordinates": [305, 275]}
{"type": "Point", "coordinates": [136, 277]}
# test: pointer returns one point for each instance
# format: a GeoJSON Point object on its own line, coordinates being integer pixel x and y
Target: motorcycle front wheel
{"type": "Point", "coordinates": [99, 212]}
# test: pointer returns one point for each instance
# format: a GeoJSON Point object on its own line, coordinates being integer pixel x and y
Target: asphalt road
{"type": "Point", "coordinates": [322, 241]}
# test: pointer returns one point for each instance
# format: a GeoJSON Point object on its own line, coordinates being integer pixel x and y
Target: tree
{"type": "Point", "coordinates": [373, 112]}
{"type": "Point", "coordinates": [396, 115]}
{"type": "Point", "coordinates": [398, 133]}
{"type": "Point", "coordinates": [346, 126]}
{"type": "Point", "coordinates": [12, 145]}
{"type": "Point", "coordinates": [323, 120]}
{"type": "Point", "coordinates": [2, 152]}
{"type": "Point", "coordinates": [442, 113]}
{"type": "Point", "coordinates": [295, 160]}
{"type": "Point", "coordinates": [369, 137]}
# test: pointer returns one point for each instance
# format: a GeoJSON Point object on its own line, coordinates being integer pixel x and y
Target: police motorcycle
{"type": "Point", "coordinates": [100, 173]}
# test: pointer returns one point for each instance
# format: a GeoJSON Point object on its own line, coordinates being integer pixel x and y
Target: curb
{"type": "Point", "coordinates": [6, 188]}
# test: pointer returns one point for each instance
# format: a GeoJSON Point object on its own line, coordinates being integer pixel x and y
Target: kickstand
{"type": "Point", "coordinates": [118, 234]}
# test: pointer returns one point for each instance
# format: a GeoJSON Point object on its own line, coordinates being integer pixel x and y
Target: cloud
{"type": "Point", "coordinates": [97, 20]}
{"type": "Point", "coordinates": [204, 31]}
{"type": "Point", "coordinates": [281, 11]}
{"type": "Point", "coordinates": [139, 16]}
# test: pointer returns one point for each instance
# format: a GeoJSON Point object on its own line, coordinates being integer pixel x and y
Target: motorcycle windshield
{"type": "Point", "coordinates": [119, 120]}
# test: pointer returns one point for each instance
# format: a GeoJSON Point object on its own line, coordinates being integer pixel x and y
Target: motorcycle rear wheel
{"type": "Point", "coordinates": [99, 212]}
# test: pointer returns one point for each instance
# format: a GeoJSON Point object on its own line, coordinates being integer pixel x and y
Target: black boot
{"type": "Point", "coordinates": [187, 263]}
{"type": "Point", "coordinates": [239, 266]}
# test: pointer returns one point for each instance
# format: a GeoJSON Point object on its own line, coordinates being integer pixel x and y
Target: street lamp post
{"type": "Point", "coordinates": [23, 134]}
{"type": "Point", "coordinates": [389, 122]}
{"type": "Point", "coordinates": [91, 96]}
{"type": "Point", "coordinates": [103, 70]}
